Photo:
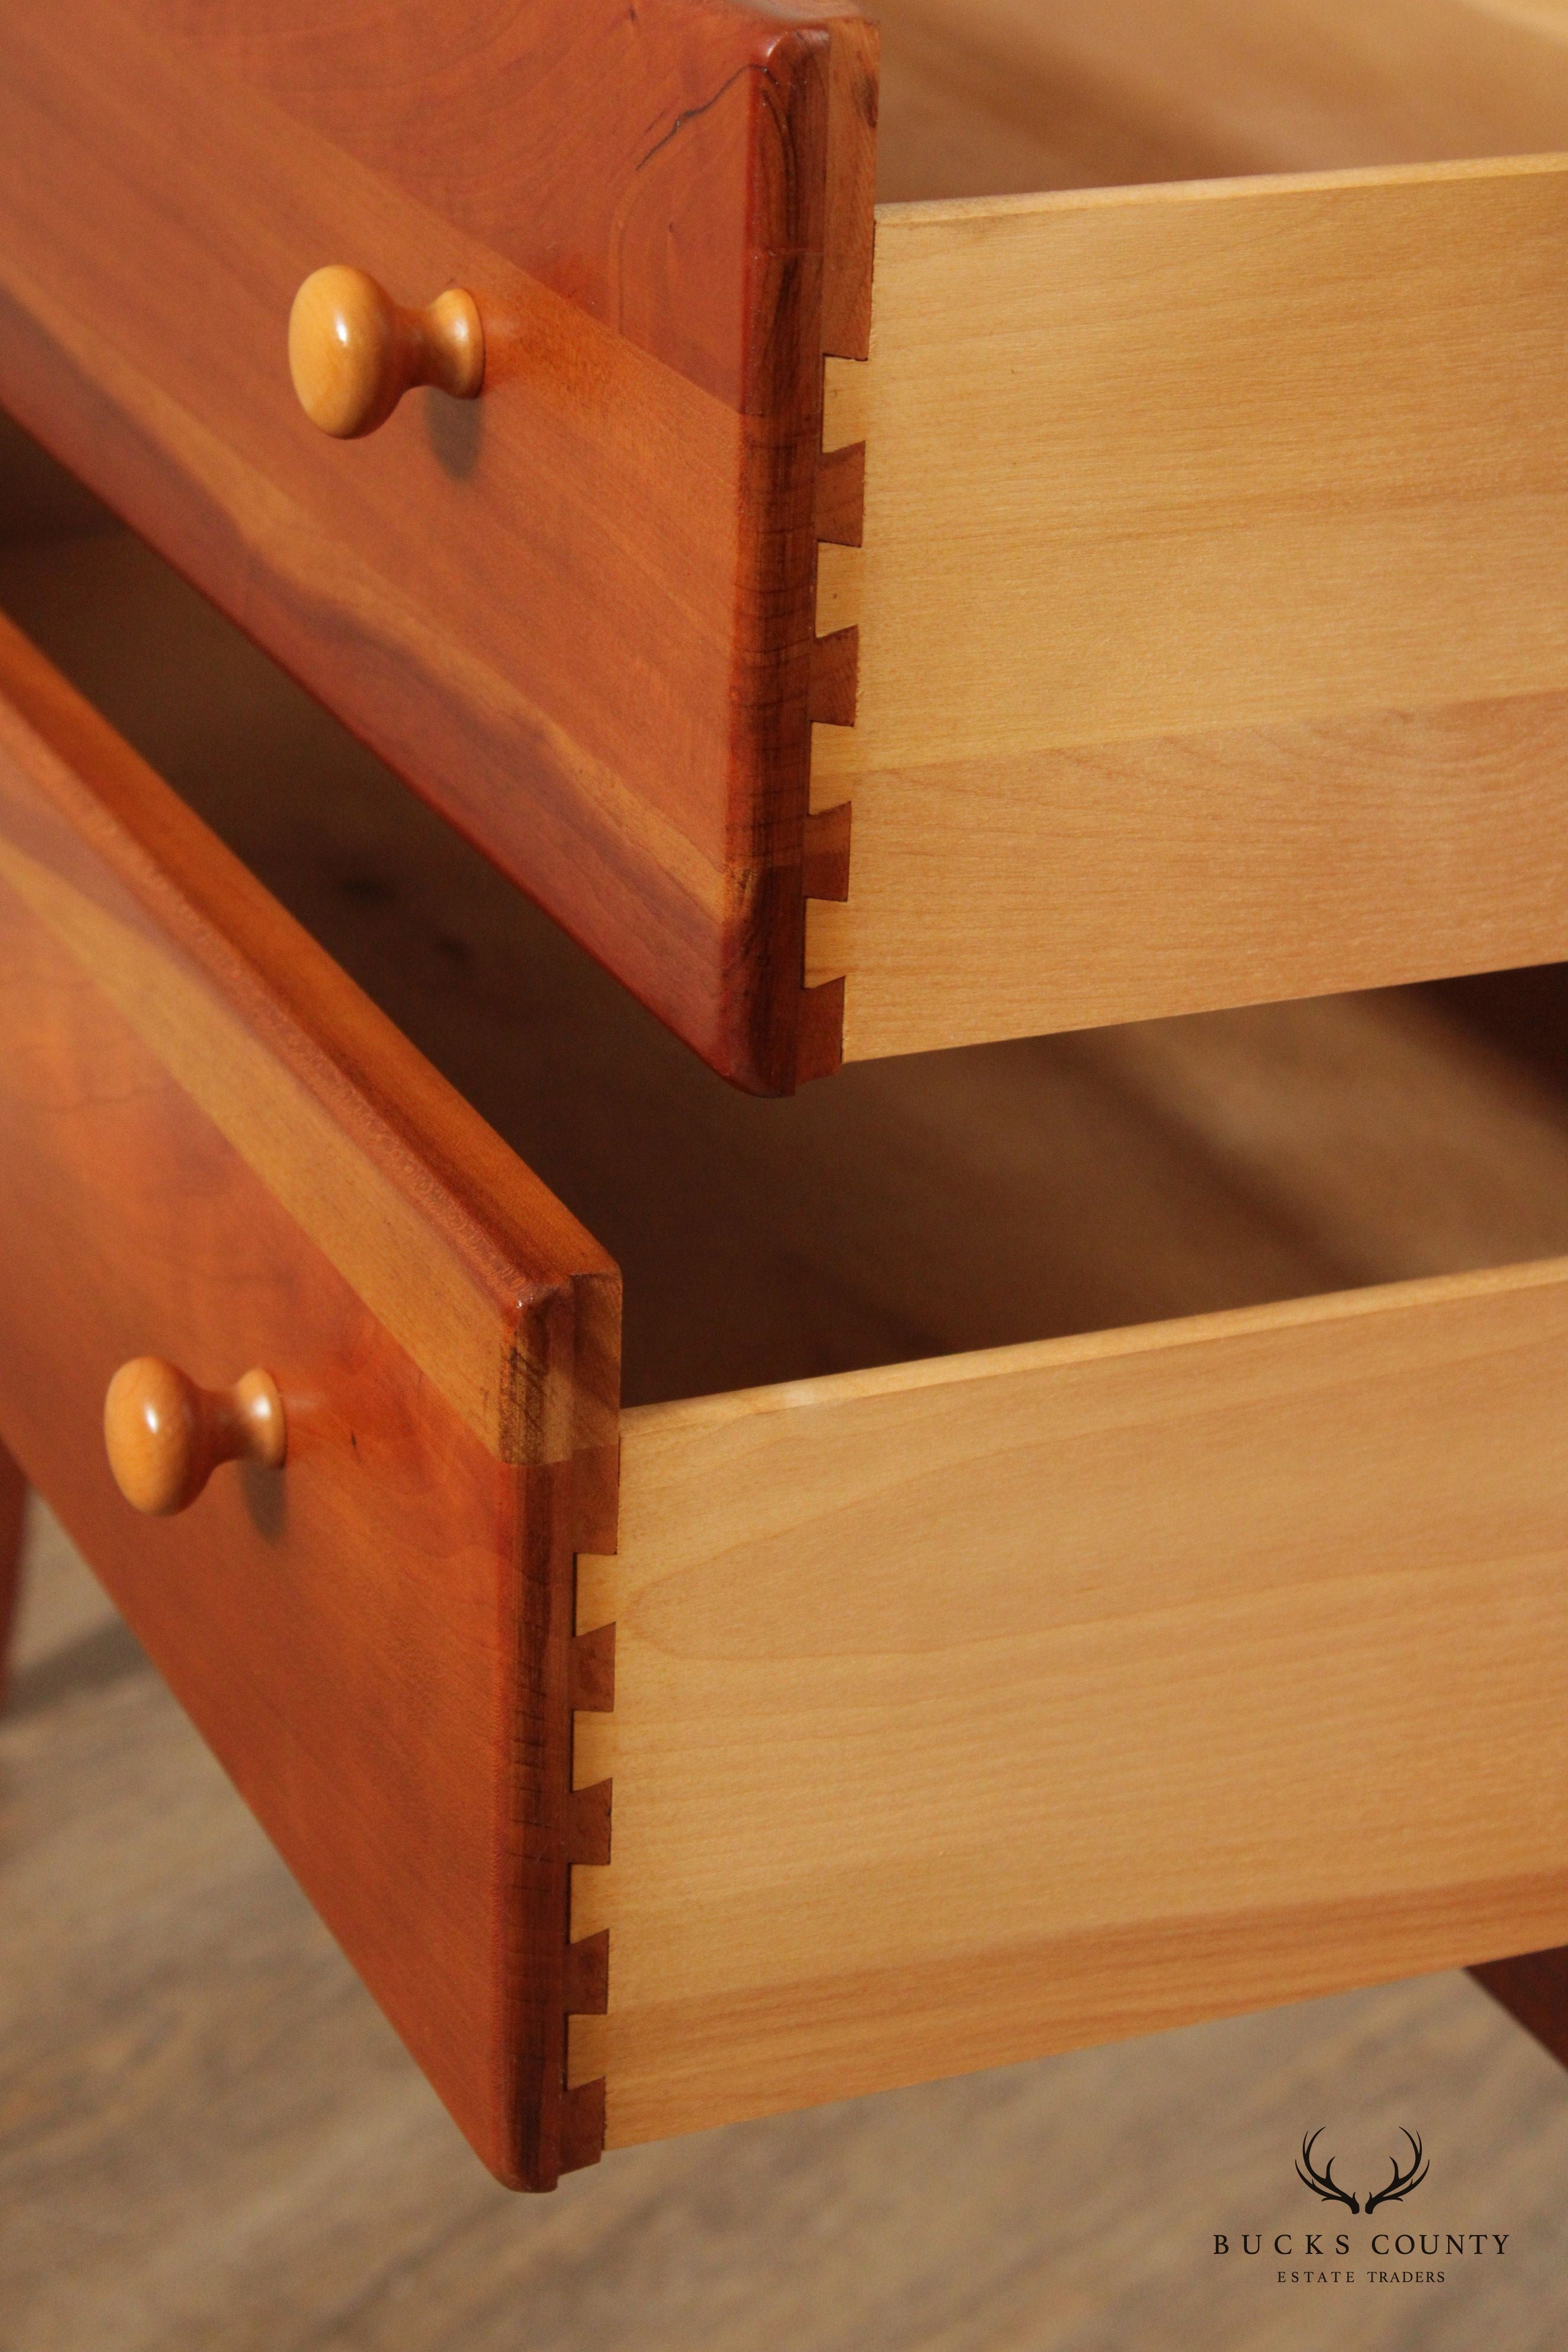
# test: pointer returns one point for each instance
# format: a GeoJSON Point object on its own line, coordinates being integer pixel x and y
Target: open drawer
{"type": "Point", "coordinates": [1210, 628]}
{"type": "Point", "coordinates": [1092, 1547]}
{"type": "Point", "coordinates": [1166, 614]}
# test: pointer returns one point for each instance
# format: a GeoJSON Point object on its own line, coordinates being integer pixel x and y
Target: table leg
{"type": "Point", "coordinates": [1533, 1989]}
{"type": "Point", "coordinates": [12, 1499]}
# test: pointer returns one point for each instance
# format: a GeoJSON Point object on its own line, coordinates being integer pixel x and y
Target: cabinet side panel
{"type": "Point", "coordinates": [990, 1707]}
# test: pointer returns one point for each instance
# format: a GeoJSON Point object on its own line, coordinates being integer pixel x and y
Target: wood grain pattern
{"type": "Point", "coordinates": [1533, 1988]}
{"type": "Point", "coordinates": [497, 1292]}
{"type": "Point", "coordinates": [979, 1709]}
{"type": "Point", "coordinates": [578, 618]}
{"type": "Point", "coordinates": [13, 1526]}
{"type": "Point", "coordinates": [367, 1648]}
{"type": "Point", "coordinates": [377, 1642]}
{"type": "Point", "coordinates": [1210, 636]}
{"type": "Point", "coordinates": [210, 2138]}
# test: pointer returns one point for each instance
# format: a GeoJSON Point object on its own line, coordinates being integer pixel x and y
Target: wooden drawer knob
{"type": "Point", "coordinates": [165, 1436]}
{"type": "Point", "coordinates": [354, 353]}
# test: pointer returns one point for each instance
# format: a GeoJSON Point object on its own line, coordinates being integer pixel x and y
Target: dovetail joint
{"type": "Point", "coordinates": [585, 1978]}
{"type": "Point", "coordinates": [835, 677]}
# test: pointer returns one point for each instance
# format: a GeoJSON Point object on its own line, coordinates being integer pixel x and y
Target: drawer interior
{"type": "Point", "coordinates": [984, 97]}
{"type": "Point", "coordinates": [913, 1208]}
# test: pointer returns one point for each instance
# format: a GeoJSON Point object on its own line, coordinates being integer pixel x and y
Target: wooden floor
{"type": "Point", "coordinates": [208, 2139]}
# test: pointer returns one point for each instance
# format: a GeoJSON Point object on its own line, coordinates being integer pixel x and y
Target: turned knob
{"type": "Point", "coordinates": [165, 1436]}
{"type": "Point", "coordinates": [353, 351]}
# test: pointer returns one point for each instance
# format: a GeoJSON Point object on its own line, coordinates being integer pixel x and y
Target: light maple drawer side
{"type": "Point", "coordinates": [1209, 614]}
{"type": "Point", "coordinates": [977, 1709]}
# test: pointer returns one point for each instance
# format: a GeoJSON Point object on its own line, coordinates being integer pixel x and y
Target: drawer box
{"type": "Point", "coordinates": [1092, 1541]}
{"type": "Point", "coordinates": [1164, 614]}
{"type": "Point", "coordinates": [1210, 648]}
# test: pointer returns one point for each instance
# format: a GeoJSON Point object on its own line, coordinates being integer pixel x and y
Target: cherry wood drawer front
{"type": "Point", "coordinates": [374, 1640]}
{"type": "Point", "coordinates": [577, 614]}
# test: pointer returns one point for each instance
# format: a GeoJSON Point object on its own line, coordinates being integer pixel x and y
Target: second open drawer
{"type": "Point", "coordinates": [1092, 1547]}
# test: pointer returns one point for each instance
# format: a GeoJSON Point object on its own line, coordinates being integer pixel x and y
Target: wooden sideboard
{"type": "Point", "coordinates": [725, 1603]}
